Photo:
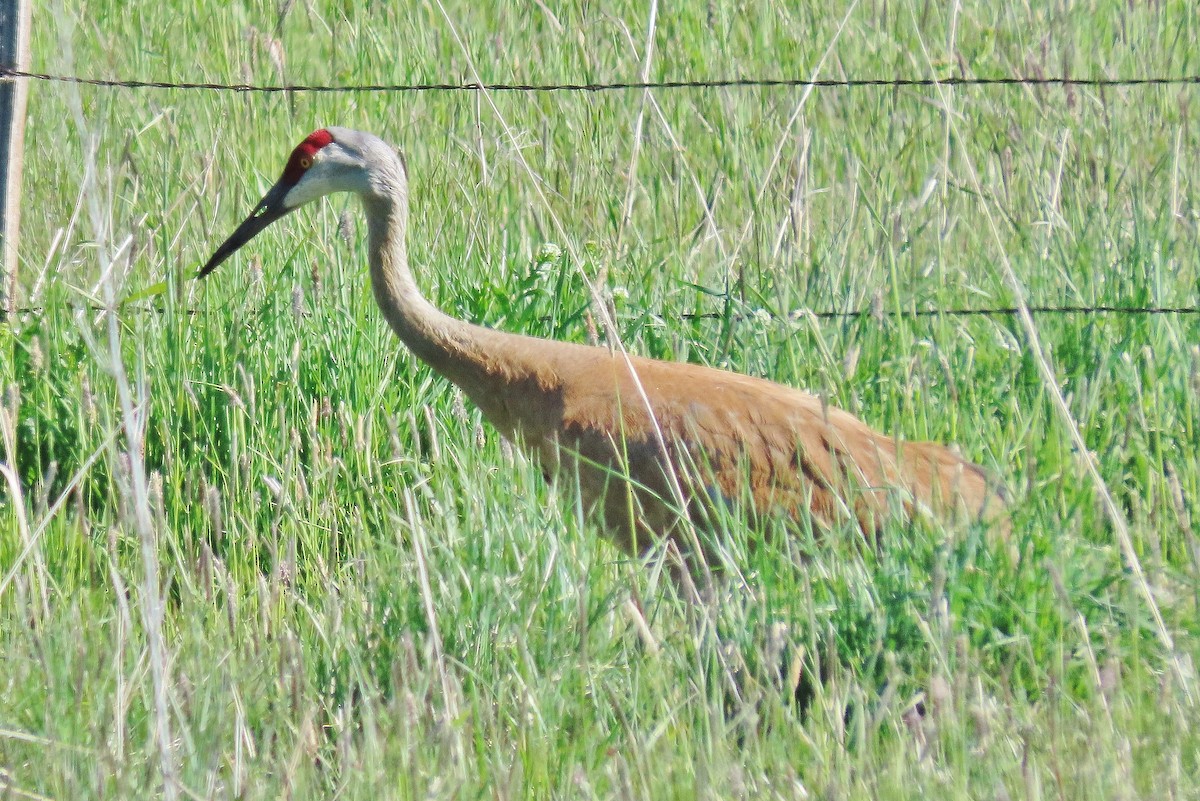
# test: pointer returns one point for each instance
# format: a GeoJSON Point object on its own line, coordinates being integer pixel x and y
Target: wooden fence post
{"type": "Point", "coordinates": [14, 54]}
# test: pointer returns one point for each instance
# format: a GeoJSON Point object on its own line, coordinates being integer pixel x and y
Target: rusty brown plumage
{"type": "Point", "coordinates": [651, 442]}
{"type": "Point", "coordinates": [725, 437]}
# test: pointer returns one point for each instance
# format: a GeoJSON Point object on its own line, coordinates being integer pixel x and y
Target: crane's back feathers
{"type": "Point", "coordinates": [713, 436]}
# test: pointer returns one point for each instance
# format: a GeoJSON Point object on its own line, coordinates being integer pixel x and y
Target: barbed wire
{"type": "Point", "coordinates": [723, 83]}
{"type": "Point", "coordinates": [732, 83]}
{"type": "Point", "coordinates": [800, 314]}
{"type": "Point", "coordinates": [998, 311]}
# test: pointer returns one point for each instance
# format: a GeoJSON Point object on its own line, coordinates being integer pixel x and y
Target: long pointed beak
{"type": "Point", "coordinates": [268, 210]}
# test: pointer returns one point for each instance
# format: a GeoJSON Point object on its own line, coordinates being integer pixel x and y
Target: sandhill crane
{"type": "Point", "coordinates": [651, 442]}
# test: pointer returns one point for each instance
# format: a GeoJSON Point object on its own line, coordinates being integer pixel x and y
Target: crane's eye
{"type": "Point", "coordinates": [305, 162]}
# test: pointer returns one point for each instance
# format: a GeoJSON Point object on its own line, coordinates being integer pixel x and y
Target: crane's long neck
{"type": "Point", "coordinates": [462, 352]}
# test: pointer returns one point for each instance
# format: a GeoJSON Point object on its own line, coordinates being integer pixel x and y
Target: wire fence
{"type": "Point", "coordinates": [998, 311]}
{"type": "Point", "coordinates": [724, 83]}
{"type": "Point", "coordinates": [721, 83]}
{"type": "Point", "coordinates": [869, 313]}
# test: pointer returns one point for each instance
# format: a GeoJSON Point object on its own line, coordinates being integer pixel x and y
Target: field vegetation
{"type": "Point", "coordinates": [251, 548]}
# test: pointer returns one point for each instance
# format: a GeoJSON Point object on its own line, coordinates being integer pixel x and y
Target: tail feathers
{"type": "Point", "coordinates": [950, 486]}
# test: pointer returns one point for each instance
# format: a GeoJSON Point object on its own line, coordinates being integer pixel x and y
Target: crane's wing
{"type": "Point", "coordinates": [744, 440]}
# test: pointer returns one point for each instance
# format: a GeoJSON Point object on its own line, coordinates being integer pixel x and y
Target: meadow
{"type": "Point", "coordinates": [252, 548]}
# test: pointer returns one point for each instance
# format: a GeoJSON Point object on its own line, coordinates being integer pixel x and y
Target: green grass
{"type": "Point", "coordinates": [304, 471]}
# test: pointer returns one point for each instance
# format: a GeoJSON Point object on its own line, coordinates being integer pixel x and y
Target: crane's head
{"type": "Point", "coordinates": [328, 160]}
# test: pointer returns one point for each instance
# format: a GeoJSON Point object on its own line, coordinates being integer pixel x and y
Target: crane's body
{"type": "Point", "coordinates": [651, 442]}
